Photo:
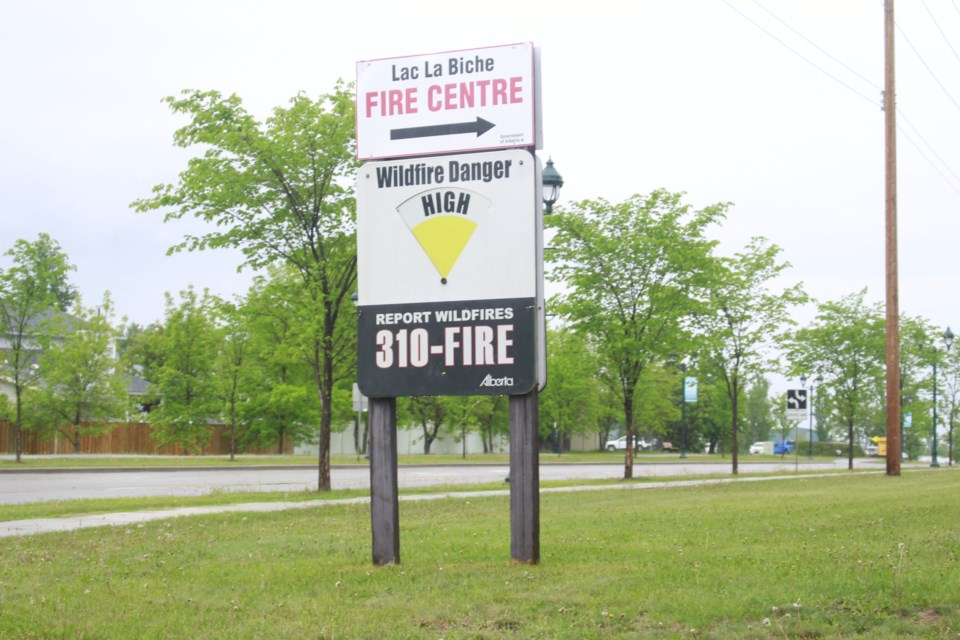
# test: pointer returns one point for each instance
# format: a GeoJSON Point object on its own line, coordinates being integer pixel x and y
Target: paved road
{"type": "Point", "coordinates": [21, 487]}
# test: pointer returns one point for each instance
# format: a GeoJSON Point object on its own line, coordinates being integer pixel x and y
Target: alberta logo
{"type": "Point", "coordinates": [490, 381]}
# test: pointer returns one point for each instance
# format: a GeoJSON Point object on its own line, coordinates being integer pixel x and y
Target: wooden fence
{"type": "Point", "coordinates": [133, 438]}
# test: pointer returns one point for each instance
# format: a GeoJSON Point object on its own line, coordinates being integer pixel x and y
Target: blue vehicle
{"type": "Point", "coordinates": [783, 448]}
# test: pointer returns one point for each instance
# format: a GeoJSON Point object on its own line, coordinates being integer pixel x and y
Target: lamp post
{"type": "Point", "coordinates": [552, 181]}
{"type": "Point", "coordinates": [948, 342]}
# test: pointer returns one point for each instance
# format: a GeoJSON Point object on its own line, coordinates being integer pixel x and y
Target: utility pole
{"type": "Point", "coordinates": [893, 295]}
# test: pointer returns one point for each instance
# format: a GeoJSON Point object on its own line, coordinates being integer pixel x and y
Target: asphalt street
{"type": "Point", "coordinates": [61, 484]}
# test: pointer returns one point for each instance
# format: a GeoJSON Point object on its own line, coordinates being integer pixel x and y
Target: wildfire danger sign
{"type": "Point", "coordinates": [448, 269]}
{"type": "Point", "coordinates": [447, 102]}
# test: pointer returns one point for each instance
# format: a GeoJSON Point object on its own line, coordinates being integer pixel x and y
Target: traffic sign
{"type": "Point", "coordinates": [469, 100]}
{"type": "Point", "coordinates": [450, 298]}
{"type": "Point", "coordinates": [796, 404]}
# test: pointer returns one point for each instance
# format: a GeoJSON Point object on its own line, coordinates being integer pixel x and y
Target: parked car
{"type": "Point", "coordinates": [621, 444]}
{"type": "Point", "coordinates": [758, 447]}
{"type": "Point", "coordinates": [782, 448]}
{"type": "Point", "coordinates": [872, 450]}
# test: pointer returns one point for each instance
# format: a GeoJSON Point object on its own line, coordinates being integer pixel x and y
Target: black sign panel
{"type": "Point", "coordinates": [473, 347]}
{"type": "Point", "coordinates": [797, 399]}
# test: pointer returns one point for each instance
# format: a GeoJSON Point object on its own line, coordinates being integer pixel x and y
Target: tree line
{"type": "Point", "coordinates": [646, 299]}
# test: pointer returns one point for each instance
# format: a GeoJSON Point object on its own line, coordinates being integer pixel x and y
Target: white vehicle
{"type": "Point", "coordinates": [621, 444]}
{"type": "Point", "coordinates": [758, 447]}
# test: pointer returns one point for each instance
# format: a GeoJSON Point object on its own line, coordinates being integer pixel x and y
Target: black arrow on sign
{"type": "Point", "coordinates": [481, 126]}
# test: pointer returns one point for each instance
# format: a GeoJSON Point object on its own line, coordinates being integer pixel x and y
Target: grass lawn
{"type": "Point", "coordinates": [852, 556]}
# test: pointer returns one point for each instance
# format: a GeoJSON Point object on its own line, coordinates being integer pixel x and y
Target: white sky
{"type": "Point", "coordinates": [686, 95]}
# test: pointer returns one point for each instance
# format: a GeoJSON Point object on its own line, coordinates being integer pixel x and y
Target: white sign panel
{"type": "Point", "coordinates": [479, 99]}
{"type": "Point", "coordinates": [448, 228]}
{"type": "Point", "coordinates": [450, 297]}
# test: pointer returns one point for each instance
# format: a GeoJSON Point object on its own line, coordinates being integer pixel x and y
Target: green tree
{"type": "Point", "coordinates": [633, 272]}
{"type": "Point", "coordinates": [186, 382]}
{"type": "Point", "coordinates": [282, 331]}
{"type": "Point", "coordinates": [6, 408]}
{"type": "Point", "coordinates": [758, 410]}
{"type": "Point", "coordinates": [466, 418]}
{"type": "Point", "coordinates": [925, 348]}
{"type": "Point", "coordinates": [231, 367]}
{"type": "Point", "coordinates": [432, 414]}
{"type": "Point", "coordinates": [709, 417]}
{"type": "Point", "coordinates": [846, 342]}
{"type": "Point", "coordinates": [493, 419]}
{"type": "Point", "coordinates": [658, 406]}
{"type": "Point", "coordinates": [950, 392]}
{"type": "Point", "coordinates": [742, 317]}
{"type": "Point", "coordinates": [83, 389]}
{"type": "Point", "coordinates": [284, 411]}
{"type": "Point", "coordinates": [281, 192]}
{"type": "Point", "coordinates": [31, 290]}
{"type": "Point", "coordinates": [570, 403]}
{"type": "Point", "coordinates": [916, 337]}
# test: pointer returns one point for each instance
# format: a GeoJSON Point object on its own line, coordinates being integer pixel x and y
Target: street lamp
{"type": "Point", "coordinates": [948, 342]}
{"type": "Point", "coordinates": [552, 181]}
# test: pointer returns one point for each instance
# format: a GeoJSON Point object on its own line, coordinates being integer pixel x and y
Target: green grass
{"type": "Point", "coordinates": [851, 556]}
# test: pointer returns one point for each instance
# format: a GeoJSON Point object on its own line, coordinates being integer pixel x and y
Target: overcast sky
{"type": "Point", "coordinates": [700, 96]}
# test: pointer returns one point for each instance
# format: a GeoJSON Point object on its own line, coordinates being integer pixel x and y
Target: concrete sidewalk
{"type": "Point", "coordinates": [48, 525]}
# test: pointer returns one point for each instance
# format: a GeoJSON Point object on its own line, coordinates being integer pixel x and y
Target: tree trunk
{"type": "Point", "coordinates": [323, 483]}
{"type": "Point", "coordinates": [233, 431]}
{"type": "Point", "coordinates": [628, 417]}
{"type": "Point", "coordinates": [427, 441]}
{"type": "Point", "coordinates": [850, 447]}
{"type": "Point", "coordinates": [733, 429]}
{"type": "Point", "coordinates": [18, 428]}
{"type": "Point", "coordinates": [326, 417]}
{"type": "Point", "coordinates": [356, 433]}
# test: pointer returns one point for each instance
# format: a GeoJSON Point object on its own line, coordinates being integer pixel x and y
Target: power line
{"type": "Point", "coordinates": [924, 156]}
{"type": "Point", "coordinates": [929, 146]}
{"type": "Point", "coordinates": [905, 133]}
{"type": "Point", "coordinates": [818, 47]}
{"type": "Point", "coordinates": [799, 55]}
{"type": "Point", "coordinates": [937, 25]}
{"type": "Point", "coordinates": [927, 67]}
